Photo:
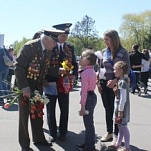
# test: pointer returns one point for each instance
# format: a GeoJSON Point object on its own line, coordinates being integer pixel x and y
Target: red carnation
{"type": "Point", "coordinates": [6, 105]}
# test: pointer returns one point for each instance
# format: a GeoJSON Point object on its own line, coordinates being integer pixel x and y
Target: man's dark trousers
{"type": "Point", "coordinates": [63, 101]}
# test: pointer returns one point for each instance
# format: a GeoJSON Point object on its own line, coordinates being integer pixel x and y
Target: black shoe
{"type": "Point", "coordinates": [133, 92]}
{"type": "Point", "coordinates": [62, 138]}
{"type": "Point", "coordinates": [43, 143]}
{"type": "Point", "coordinates": [81, 146]}
{"type": "Point", "coordinates": [27, 149]}
{"type": "Point", "coordinates": [52, 139]}
{"type": "Point", "coordinates": [112, 147]}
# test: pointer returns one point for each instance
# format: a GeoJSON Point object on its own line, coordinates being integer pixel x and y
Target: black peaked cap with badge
{"type": "Point", "coordinates": [53, 33]}
{"type": "Point", "coordinates": [65, 27]}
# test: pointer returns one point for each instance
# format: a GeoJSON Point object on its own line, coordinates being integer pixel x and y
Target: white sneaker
{"type": "Point", "coordinates": [123, 149]}
{"type": "Point", "coordinates": [106, 137]}
{"type": "Point", "coordinates": [114, 139]}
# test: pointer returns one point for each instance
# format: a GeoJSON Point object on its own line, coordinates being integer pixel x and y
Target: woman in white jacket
{"type": "Point", "coordinates": [145, 69]}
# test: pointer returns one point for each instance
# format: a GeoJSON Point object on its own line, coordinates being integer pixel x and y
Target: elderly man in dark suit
{"type": "Point", "coordinates": [63, 51]}
{"type": "Point", "coordinates": [34, 56]}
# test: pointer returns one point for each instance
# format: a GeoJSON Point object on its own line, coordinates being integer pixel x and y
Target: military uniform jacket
{"type": "Point", "coordinates": [58, 57]}
{"type": "Point", "coordinates": [32, 66]}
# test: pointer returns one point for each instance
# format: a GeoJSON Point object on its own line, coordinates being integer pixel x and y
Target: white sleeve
{"type": "Point", "coordinates": [122, 99]}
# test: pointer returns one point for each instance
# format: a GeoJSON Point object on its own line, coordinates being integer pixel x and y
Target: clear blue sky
{"type": "Point", "coordinates": [22, 18]}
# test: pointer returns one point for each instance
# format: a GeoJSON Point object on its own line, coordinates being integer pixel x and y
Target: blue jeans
{"type": "Point", "coordinates": [3, 85]}
{"type": "Point", "coordinates": [88, 121]}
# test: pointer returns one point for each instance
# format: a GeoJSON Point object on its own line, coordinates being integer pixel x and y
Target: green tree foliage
{"type": "Point", "coordinates": [77, 44]}
{"type": "Point", "coordinates": [136, 28]}
{"type": "Point", "coordinates": [18, 44]}
{"type": "Point", "coordinates": [84, 34]}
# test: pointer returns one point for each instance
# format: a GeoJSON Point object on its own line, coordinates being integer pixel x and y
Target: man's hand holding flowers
{"type": "Point", "coordinates": [62, 71]}
{"type": "Point", "coordinates": [26, 92]}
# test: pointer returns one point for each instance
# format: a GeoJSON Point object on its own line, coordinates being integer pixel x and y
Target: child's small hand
{"type": "Point", "coordinates": [82, 111]}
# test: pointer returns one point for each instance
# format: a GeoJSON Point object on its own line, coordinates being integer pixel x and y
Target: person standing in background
{"type": "Point", "coordinates": [145, 69]}
{"type": "Point", "coordinates": [37, 35]}
{"type": "Point", "coordinates": [4, 70]}
{"type": "Point", "coordinates": [136, 64]}
{"type": "Point", "coordinates": [11, 68]}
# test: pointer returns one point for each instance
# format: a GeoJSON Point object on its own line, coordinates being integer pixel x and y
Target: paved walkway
{"type": "Point", "coordinates": [140, 125]}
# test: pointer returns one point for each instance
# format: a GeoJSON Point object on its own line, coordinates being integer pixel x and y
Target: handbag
{"type": "Point", "coordinates": [6, 59]}
{"type": "Point", "coordinates": [64, 84]}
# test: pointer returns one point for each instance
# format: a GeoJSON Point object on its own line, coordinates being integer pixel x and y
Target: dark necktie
{"type": "Point", "coordinates": [44, 53]}
{"type": "Point", "coordinates": [60, 48]}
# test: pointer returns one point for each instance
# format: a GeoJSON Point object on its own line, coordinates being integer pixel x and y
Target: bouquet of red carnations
{"type": "Point", "coordinates": [36, 102]}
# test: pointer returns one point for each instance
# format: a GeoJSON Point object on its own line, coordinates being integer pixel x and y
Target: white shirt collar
{"type": "Point", "coordinates": [60, 44]}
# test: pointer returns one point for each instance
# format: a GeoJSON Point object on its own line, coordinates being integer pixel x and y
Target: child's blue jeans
{"type": "Point", "coordinates": [88, 120]}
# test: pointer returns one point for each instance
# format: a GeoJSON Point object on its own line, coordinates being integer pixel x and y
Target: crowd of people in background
{"type": "Point", "coordinates": [140, 65]}
{"type": "Point", "coordinates": [112, 76]}
{"type": "Point", "coordinates": [6, 72]}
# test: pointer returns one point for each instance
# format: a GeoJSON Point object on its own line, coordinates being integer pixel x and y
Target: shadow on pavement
{"type": "Point", "coordinates": [72, 140]}
{"type": "Point", "coordinates": [146, 96]}
{"type": "Point", "coordinates": [133, 148]}
{"type": "Point", "coordinates": [44, 148]}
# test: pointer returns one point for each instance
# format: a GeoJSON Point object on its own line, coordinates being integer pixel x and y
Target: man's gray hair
{"type": "Point", "coordinates": [43, 36]}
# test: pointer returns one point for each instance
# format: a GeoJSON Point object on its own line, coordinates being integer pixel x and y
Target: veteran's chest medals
{"type": "Point", "coordinates": [47, 65]}
{"type": "Point", "coordinates": [68, 53]}
{"type": "Point", "coordinates": [34, 69]}
{"type": "Point", "coordinates": [55, 59]}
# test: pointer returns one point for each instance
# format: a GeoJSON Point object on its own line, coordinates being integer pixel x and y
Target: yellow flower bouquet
{"type": "Point", "coordinates": [65, 81]}
{"type": "Point", "coordinates": [67, 65]}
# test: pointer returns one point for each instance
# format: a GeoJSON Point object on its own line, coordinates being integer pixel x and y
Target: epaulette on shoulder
{"type": "Point", "coordinates": [31, 41]}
